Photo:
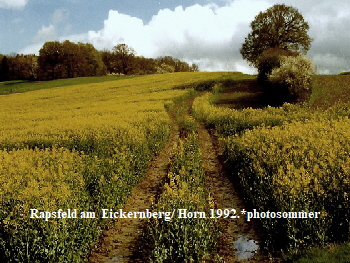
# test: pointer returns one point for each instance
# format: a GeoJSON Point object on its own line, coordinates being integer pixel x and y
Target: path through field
{"type": "Point", "coordinates": [240, 240]}
{"type": "Point", "coordinates": [119, 242]}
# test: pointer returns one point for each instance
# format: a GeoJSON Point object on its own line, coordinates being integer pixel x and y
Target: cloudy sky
{"type": "Point", "coordinates": [207, 32]}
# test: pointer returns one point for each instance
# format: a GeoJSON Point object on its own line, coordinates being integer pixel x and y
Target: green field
{"type": "Point", "coordinates": [19, 86]}
{"type": "Point", "coordinates": [329, 90]}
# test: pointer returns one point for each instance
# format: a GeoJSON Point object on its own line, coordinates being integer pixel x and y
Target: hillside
{"type": "Point", "coordinates": [201, 141]}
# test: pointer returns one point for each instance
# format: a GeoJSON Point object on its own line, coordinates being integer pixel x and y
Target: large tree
{"type": "Point", "coordinates": [49, 59]}
{"type": "Point", "coordinates": [280, 27]}
{"type": "Point", "coordinates": [125, 56]}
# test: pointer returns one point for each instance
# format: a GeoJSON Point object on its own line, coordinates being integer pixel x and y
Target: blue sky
{"type": "Point", "coordinates": [207, 32]}
{"type": "Point", "coordinates": [23, 19]}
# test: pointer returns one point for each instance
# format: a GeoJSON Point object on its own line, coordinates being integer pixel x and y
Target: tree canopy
{"type": "Point", "coordinates": [69, 60]}
{"type": "Point", "coordinates": [125, 58]}
{"type": "Point", "coordinates": [280, 27]}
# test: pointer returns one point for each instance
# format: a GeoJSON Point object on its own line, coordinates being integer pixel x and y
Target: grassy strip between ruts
{"type": "Point", "coordinates": [190, 236]}
{"type": "Point", "coordinates": [182, 239]}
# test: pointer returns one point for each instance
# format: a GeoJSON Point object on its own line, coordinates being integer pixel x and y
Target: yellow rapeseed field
{"type": "Point", "coordinates": [291, 158]}
{"type": "Point", "coordinates": [77, 147]}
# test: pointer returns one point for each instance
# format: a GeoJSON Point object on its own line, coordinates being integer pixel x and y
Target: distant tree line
{"type": "Point", "coordinates": [18, 67]}
{"type": "Point", "coordinates": [123, 60]}
{"type": "Point", "coordinates": [66, 59]}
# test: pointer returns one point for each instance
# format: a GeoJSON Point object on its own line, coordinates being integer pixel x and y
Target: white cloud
{"type": "Point", "coordinates": [121, 28]}
{"type": "Point", "coordinates": [211, 36]}
{"type": "Point", "coordinates": [32, 49]}
{"type": "Point", "coordinates": [46, 33]}
{"type": "Point", "coordinates": [207, 35]}
{"type": "Point", "coordinates": [10, 4]}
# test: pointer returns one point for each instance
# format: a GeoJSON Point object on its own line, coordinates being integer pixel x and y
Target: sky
{"type": "Point", "coordinates": [209, 33]}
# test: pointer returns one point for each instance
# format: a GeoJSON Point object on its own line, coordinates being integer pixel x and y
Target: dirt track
{"type": "Point", "coordinates": [119, 242]}
{"type": "Point", "coordinates": [240, 238]}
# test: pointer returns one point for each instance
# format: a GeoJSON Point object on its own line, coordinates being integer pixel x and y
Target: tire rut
{"type": "Point", "coordinates": [119, 242]}
{"type": "Point", "coordinates": [236, 231]}
{"type": "Point", "coordinates": [238, 235]}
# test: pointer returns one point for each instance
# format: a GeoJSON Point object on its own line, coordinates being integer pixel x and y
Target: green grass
{"type": "Point", "coordinates": [330, 90]}
{"type": "Point", "coordinates": [20, 86]}
{"type": "Point", "coordinates": [242, 91]}
{"type": "Point", "coordinates": [329, 254]}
